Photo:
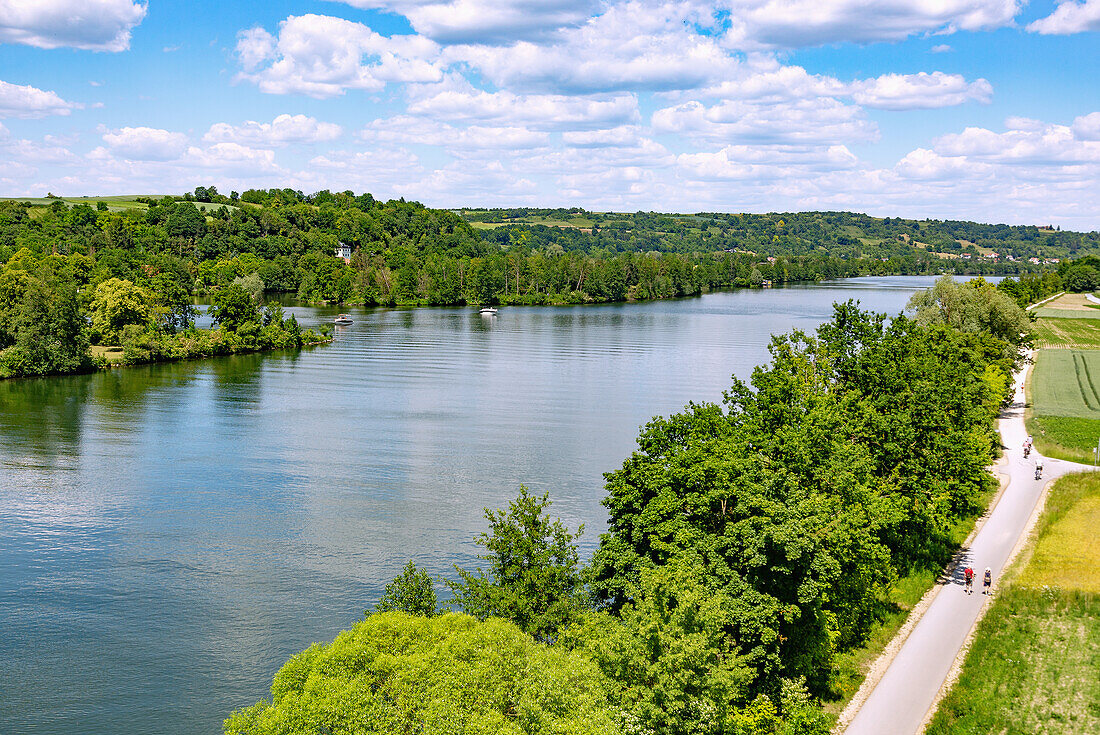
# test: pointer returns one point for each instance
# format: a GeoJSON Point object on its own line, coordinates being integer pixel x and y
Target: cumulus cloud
{"type": "Point", "coordinates": [96, 25]}
{"type": "Point", "coordinates": [408, 130]}
{"type": "Point", "coordinates": [486, 21]}
{"type": "Point", "coordinates": [1069, 17]}
{"type": "Point", "coordinates": [323, 56]}
{"type": "Point", "coordinates": [632, 46]}
{"type": "Point", "coordinates": [457, 100]}
{"type": "Point", "coordinates": [816, 120]}
{"type": "Point", "coordinates": [1046, 144]}
{"type": "Point", "coordinates": [145, 144]}
{"type": "Point", "coordinates": [761, 162]}
{"type": "Point", "coordinates": [923, 90]}
{"type": "Point", "coordinates": [802, 23]}
{"type": "Point", "coordinates": [18, 100]}
{"type": "Point", "coordinates": [1087, 127]}
{"type": "Point", "coordinates": [281, 131]}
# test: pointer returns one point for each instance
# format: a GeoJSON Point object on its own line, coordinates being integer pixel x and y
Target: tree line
{"type": "Point", "coordinates": [750, 543]}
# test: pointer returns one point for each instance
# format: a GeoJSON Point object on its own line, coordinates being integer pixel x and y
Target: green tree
{"type": "Point", "coordinates": [118, 303]}
{"type": "Point", "coordinates": [47, 333]}
{"type": "Point", "coordinates": [411, 592]}
{"type": "Point", "coordinates": [975, 306]}
{"type": "Point", "coordinates": [232, 307]}
{"type": "Point", "coordinates": [534, 578]}
{"type": "Point", "coordinates": [397, 673]}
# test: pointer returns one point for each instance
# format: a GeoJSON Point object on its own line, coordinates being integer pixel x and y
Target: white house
{"type": "Point", "coordinates": [343, 252]}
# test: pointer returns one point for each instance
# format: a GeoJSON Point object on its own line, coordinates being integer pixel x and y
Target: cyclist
{"type": "Point", "coordinates": [968, 573]}
{"type": "Point", "coordinates": [987, 581]}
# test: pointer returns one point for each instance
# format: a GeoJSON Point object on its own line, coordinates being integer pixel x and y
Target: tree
{"type": "Point", "coordinates": [1080, 278]}
{"type": "Point", "coordinates": [47, 332]}
{"type": "Point", "coordinates": [411, 592]}
{"type": "Point", "coordinates": [533, 579]}
{"type": "Point", "coordinates": [397, 673]}
{"type": "Point", "coordinates": [975, 307]}
{"type": "Point", "coordinates": [186, 221]}
{"type": "Point", "coordinates": [253, 284]}
{"type": "Point", "coordinates": [232, 307]}
{"type": "Point", "coordinates": [118, 303]}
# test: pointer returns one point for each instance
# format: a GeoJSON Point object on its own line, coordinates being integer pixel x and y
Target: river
{"type": "Point", "coordinates": [171, 534]}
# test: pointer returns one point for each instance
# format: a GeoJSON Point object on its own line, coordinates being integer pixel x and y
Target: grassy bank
{"type": "Point", "coordinates": [1035, 662]}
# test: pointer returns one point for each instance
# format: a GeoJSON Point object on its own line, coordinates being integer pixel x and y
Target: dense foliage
{"type": "Point", "coordinates": [398, 673]}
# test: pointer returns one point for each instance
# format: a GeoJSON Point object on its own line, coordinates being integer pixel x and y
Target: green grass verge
{"type": "Point", "coordinates": [1034, 666]}
{"type": "Point", "coordinates": [1065, 437]}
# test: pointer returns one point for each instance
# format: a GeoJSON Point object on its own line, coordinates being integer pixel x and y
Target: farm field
{"type": "Point", "coordinates": [1067, 333]}
{"type": "Point", "coordinates": [119, 203]}
{"type": "Point", "coordinates": [1064, 415]}
{"type": "Point", "coordinates": [1035, 662]}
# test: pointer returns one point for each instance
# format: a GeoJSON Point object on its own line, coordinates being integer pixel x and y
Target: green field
{"type": "Point", "coordinates": [1052, 313]}
{"type": "Point", "coordinates": [1064, 415]}
{"type": "Point", "coordinates": [1034, 666]}
{"type": "Point", "coordinates": [120, 203]}
{"type": "Point", "coordinates": [1067, 383]}
{"type": "Point", "coordinates": [1063, 333]}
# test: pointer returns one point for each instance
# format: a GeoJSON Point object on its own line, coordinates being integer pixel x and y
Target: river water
{"type": "Point", "coordinates": [171, 534]}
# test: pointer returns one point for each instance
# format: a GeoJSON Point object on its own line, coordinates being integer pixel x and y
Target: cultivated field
{"type": "Point", "coordinates": [1064, 415]}
{"type": "Point", "coordinates": [1057, 333]}
{"type": "Point", "coordinates": [1034, 666]}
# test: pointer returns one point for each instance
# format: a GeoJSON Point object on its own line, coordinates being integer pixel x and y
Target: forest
{"type": "Point", "coordinates": [125, 273]}
{"type": "Point", "coordinates": [751, 543]}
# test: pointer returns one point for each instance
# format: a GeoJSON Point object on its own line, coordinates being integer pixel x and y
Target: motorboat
{"type": "Point", "coordinates": [343, 319]}
{"type": "Point", "coordinates": [488, 311]}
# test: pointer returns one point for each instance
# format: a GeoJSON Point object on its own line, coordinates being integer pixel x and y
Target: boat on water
{"type": "Point", "coordinates": [488, 310]}
{"type": "Point", "coordinates": [342, 319]}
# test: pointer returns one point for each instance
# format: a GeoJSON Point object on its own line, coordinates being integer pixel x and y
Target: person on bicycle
{"type": "Point", "coordinates": [968, 573]}
{"type": "Point", "coordinates": [987, 581]}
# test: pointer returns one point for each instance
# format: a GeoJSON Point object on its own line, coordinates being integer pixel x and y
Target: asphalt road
{"type": "Point", "coordinates": [898, 704]}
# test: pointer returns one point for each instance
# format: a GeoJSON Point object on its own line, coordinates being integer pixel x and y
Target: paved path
{"type": "Point", "coordinates": [907, 690]}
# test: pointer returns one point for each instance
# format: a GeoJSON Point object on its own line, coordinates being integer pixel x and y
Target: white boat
{"type": "Point", "coordinates": [488, 310]}
{"type": "Point", "coordinates": [342, 319]}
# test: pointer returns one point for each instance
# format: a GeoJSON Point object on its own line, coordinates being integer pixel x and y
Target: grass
{"type": "Point", "coordinates": [111, 354]}
{"type": "Point", "coordinates": [1064, 414]}
{"type": "Point", "coordinates": [1034, 666]}
{"type": "Point", "coordinates": [1056, 333]}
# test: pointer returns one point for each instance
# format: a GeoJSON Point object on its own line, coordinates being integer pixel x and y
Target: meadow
{"type": "Point", "coordinates": [1034, 665]}
{"type": "Point", "coordinates": [1059, 333]}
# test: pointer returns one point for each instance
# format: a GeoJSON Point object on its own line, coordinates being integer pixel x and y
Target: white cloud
{"type": "Point", "coordinates": [283, 130]}
{"type": "Point", "coordinates": [941, 48]}
{"type": "Point", "coordinates": [632, 46]}
{"type": "Point", "coordinates": [407, 130]}
{"type": "Point", "coordinates": [322, 56]}
{"type": "Point", "coordinates": [617, 137]}
{"type": "Point", "coordinates": [96, 25]}
{"type": "Point", "coordinates": [821, 120]}
{"type": "Point", "coordinates": [18, 100]}
{"type": "Point", "coordinates": [486, 21]}
{"type": "Point", "coordinates": [1087, 127]}
{"type": "Point", "coordinates": [146, 144]}
{"type": "Point", "coordinates": [763, 162]}
{"type": "Point", "coordinates": [459, 101]}
{"type": "Point", "coordinates": [929, 165]}
{"type": "Point", "coordinates": [1069, 17]}
{"type": "Point", "coordinates": [802, 23]}
{"type": "Point", "coordinates": [1035, 145]}
{"type": "Point", "coordinates": [915, 91]}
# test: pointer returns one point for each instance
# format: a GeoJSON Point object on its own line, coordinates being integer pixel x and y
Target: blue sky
{"type": "Point", "coordinates": [970, 109]}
